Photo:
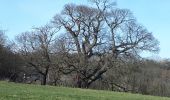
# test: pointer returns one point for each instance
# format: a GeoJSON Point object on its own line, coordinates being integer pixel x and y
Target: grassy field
{"type": "Point", "coordinates": [13, 91]}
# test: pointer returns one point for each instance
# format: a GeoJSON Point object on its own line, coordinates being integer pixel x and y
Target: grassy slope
{"type": "Point", "coordinates": [12, 91]}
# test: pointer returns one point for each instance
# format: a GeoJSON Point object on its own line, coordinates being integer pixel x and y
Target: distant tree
{"type": "Point", "coordinates": [10, 62]}
{"type": "Point", "coordinates": [2, 38]}
{"type": "Point", "coordinates": [99, 36]}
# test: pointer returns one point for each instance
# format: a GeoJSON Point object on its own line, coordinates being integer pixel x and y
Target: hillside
{"type": "Point", "coordinates": [13, 91]}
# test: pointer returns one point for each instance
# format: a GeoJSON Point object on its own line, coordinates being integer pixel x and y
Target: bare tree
{"type": "Point", "coordinates": [10, 62]}
{"type": "Point", "coordinates": [100, 36]}
{"type": "Point", "coordinates": [35, 46]}
{"type": "Point", "coordinates": [2, 38]}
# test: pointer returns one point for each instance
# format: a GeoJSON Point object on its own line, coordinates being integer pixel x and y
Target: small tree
{"type": "Point", "coordinates": [36, 48]}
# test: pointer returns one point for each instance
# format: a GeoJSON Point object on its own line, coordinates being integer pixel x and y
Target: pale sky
{"type": "Point", "coordinates": [18, 16]}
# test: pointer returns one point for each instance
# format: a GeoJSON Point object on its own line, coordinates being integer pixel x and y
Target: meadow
{"type": "Point", "coordinates": [16, 91]}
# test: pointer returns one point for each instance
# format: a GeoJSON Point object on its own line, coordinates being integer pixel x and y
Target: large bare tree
{"type": "Point", "coordinates": [100, 35]}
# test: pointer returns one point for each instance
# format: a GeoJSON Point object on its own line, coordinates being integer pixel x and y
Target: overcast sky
{"type": "Point", "coordinates": [18, 16]}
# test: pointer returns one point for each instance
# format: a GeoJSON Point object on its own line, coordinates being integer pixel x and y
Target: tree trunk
{"type": "Point", "coordinates": [79, 84]}
{"type": "Point", "coordinates": [83, 84]}
{"type": "Point", "coordinates": [44, 79]}
{"type": "Point", "coordinates": [44, 76]}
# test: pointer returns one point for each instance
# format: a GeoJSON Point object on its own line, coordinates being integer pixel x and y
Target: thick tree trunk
{"type": "Point", "coordinates": [79, 84]}
{"type": "Point", "coordinates": [83, 84]}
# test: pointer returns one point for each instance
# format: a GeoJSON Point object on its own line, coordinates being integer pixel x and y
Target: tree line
{"type": "Point", "coordinates": [87, 46]}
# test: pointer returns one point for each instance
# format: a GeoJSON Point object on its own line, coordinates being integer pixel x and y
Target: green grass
{"type": "Point", "coordinates": [13, 91]}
